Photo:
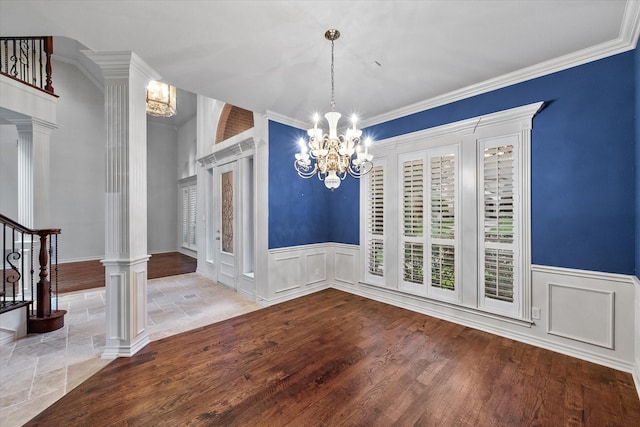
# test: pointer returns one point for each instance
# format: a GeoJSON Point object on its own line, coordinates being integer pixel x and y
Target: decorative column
{"type": "Point", "coordinates": [25, 174]}
{"type": "Point", "coordinates": [33, 170]}
{"type": "Point", "coordinates": [125, 80]}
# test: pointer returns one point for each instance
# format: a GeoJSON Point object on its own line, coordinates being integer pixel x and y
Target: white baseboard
{"type": "Point", "coordinates": [7, 336]}
{"type": "Point", "coordinates": [307, 290]}
{"type": "Point", "coordinates": [83, 259]}
{"type": "Point", "coordinates": [636, 378]}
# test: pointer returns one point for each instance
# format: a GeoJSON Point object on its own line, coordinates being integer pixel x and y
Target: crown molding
{"type": "Point", "coordinates": [74, 62]}
{"type": "Point", "coordinates": [277, 117]}
{"type": "Point", "coordinates": [626, 40]}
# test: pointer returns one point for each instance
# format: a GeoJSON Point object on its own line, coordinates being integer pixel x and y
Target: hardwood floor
{"type": "Point", "coordinates": [78, 276]}
{"type": "Point", "coordinates": [332, 358]}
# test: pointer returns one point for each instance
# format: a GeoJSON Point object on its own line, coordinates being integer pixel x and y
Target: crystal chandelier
{"type": "Point", "coordinates": [331, 156]}
{"type": "Point", "coordinates": [161, 99]}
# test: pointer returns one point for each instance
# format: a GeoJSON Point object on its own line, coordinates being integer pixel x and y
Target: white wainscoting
{"type": "Point", "coordinates": [636, 367]}
{"type": "Point", "coordinates": [297, 271]}
{"type": "Point", "coordinates": [585, 315]}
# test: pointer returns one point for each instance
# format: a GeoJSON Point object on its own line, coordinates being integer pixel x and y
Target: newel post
{"type": "Point", "coordinates": [43, 287]}
{"type": "Point", "coordinates": [48, 50]}
{"type": "Point", "coordinates": [45, 320]}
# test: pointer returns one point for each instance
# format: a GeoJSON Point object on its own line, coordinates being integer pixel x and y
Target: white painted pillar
{"type": "Point", "coordinates": [34, 191]}
{"type": "Point", "coordinates": [125, 80]}
{"type": "Point", "coordinates": [25, 174]}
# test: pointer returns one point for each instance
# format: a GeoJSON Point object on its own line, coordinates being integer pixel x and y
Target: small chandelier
{"type": "Point", "coordinates": [334, 154]}
{"type": "Point", "coordinates": [161, 99]}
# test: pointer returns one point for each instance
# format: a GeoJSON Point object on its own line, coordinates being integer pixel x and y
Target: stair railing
{"type": "Point", "coordinates": [28, 60]}
{"type": "Point", "coordinates": [18, 275]}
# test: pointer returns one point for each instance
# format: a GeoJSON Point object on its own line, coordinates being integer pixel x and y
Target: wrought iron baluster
{"type": "Point", "coordinates": [56, 270]}
{"type": "Point", "coordinates": [31, 273]}
{"type": "Point", "coordinates": [14, 59]}
{"type": "Point", "coordinates": [40, 60]}
{"type": "Point", "coordinates": [24, 60]}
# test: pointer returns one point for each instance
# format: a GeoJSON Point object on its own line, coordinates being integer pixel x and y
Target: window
{"type": "Point", "coordinates": [374, 234]}
{"type": "Point", "coordinates": [461, 211]}
{"type": "Point", "coordinates": [498, 183]}
{"type": "Point", "coordinates": [189, 198]}
{"type": "Point", "coordinates": [444, 177]}
{"type": "Point", "coordinates": [428, 230]}
{"type": "Point", "coordinates": [412, 232]}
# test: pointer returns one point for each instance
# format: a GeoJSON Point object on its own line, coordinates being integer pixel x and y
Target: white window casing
{"type": "Point", "coordinates": [374, 230]}
{"type": "Point", "coordinates": [498, 224]}
{"type": "Point", "coordinates": [462, 214]}
{"type": "Point", "coordinates": [189, 215]}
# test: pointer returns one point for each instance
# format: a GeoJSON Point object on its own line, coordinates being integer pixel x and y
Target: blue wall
{"type": "Point", "coordinates": [637, 72]}
{"type": "Point", "coordinates": [583, 167]}
{"type": "Point", "coordinates": [303, 211]}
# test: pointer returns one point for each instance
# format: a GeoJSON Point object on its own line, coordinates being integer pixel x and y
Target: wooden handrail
{"type": "Point", "coordinates": [6, 220]}
{"type": "Point", "coordinates": [28, 60]}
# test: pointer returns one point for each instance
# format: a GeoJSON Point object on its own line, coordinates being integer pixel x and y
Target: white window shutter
{"type": "Point", "coordinates": [443, 177]}
{"type": "Point", "coordinates": [185, 215]}
{"type": "Point", "coordinates": [413, 189]}
{"type": "Point", "coordinates": [375, 221]}
{"type": "Point", "coordinates": [193, 197]}
{"type": "Point", "coordinates": [499, 224]}
{"type": "Point", "coordinates": [189, 212]}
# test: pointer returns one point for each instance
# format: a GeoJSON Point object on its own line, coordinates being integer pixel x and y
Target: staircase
{"type": "Point", "coordinates": [26, 307]}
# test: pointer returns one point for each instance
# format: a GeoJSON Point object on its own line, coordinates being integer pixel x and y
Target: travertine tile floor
{"type": "Point", "coordinates": [39, 369]}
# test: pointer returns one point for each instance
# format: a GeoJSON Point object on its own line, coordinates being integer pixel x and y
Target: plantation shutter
{"type": "Point", "coordinates": [375, 221]}
{"type": "Point", "coordinates": [413, 221]}
{"type": "Point", "coordinates": [499, 222]}
{"type": "Point", "coordinates": [193, 197]}
{"type": "Point", "coordinates": [443, 221]}
{"type": "Point", "coordinates": [185, 215]}
{"type": "Point", "coordinates": [189, 212]}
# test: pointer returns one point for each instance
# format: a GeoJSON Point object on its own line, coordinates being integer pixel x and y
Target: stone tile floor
{"type": "Point", "coordinates": [39, 369]}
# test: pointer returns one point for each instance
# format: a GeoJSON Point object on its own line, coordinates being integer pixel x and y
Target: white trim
{"type": "Point", "coordinates": [81, 259]}
{"type": "Point", "coordinates": [311, 246]}
{"type": "Point", "coordinates": [466, 126]}
{"type": "Point", "coordinates": [598, 275]}
{"type": "Point", "coordinates": [611, 318]}
{"type": "Point", "coordinates": [636, 365]}
{"type": "Point", "coordinates": [279, 118]}
{"type": "Point", "coordinates": [97, 83]}
{"type": "Point", "coordinates": [303, 290]}
{"type": "Point", "coordinates": [629, 33]}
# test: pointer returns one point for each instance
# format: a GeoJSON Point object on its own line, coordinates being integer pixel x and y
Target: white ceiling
{"type": "Point", "coordinates": [272, 55]}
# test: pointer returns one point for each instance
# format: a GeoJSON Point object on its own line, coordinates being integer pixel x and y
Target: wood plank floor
{"type": "Point", "coordinates": [333, 358]}
{"type": "Point", "coordinates": [79, 276]}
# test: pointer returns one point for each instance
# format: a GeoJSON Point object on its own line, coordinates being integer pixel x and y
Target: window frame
{"type": "Point", "coordinates": [190, 220]}
{"type": "Point", "coordinates": [469, 135]}
{"type": "Point", "coordinates": [366, 235]}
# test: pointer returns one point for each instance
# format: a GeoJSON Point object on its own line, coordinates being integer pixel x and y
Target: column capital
{"type": "Point", "coordinates": [29, 124]}
{"type": "Point", "coordinates": [120, 64]}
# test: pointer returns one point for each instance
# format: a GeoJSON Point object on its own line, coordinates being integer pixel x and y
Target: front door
{"type": "Point", "coordinates": [226, 232]}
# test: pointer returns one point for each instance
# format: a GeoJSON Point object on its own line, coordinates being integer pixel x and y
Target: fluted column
{"type": "Point", "coordinates": [25, 174]}
{"type": "Point", "coordinates": [125, 80]}
{"type": "Point", "coordinates": [33, 170]}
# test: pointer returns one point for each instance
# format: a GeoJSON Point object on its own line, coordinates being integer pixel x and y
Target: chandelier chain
{"type": "Point", "coordinates": [333, 104]}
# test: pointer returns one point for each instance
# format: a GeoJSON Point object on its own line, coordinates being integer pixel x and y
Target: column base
{"type": "Point", "coordinates": [113, 352]}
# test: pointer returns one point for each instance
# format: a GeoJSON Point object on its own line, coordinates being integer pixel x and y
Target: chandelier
{"type": "Point", "coordinates": [332, 156]}
{"type": "Point", "coordinates": [161, 99]}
